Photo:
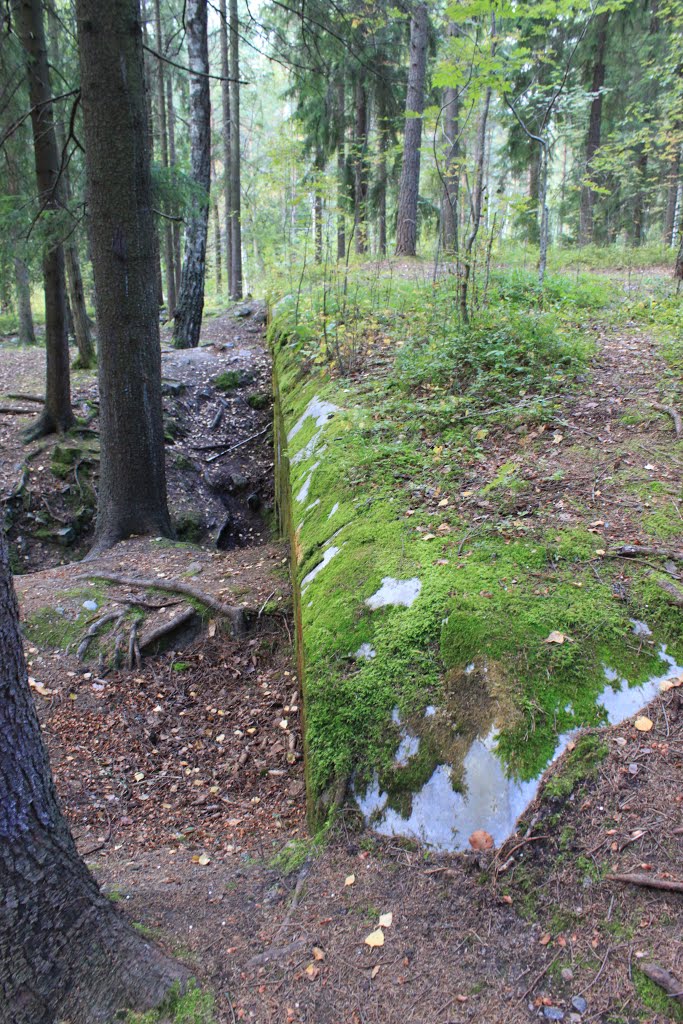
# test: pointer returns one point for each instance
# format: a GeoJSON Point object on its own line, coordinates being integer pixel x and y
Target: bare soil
{"type": "Point", "coordinates": [183, 778]}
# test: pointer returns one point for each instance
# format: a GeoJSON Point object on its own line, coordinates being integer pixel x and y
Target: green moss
{"type": "Point", "coordinates": [227, 381]}
{"type": "Point", "coordinates": [368, 481]}
{"type": "Point", "coordinates": [582, 763]}
{"type": "Point", "coordinates": [193, 1007]}
{"type": "Point", "coordinates": [655, 998]}
{"type": "Point", "coordinates": [189, 527]}
{"type": "Point", "coordinates": [258, 401]}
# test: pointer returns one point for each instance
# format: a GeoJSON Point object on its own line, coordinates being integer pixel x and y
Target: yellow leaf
{"type": "Point", "coordinates": [443, 502]}
{"type": "Point", "coordinates": [643, 724]}
{"type": "Point", "coordinates": [318, 953]}
{"type": "Point", "coordinates": [375, 971]}
{"type": "Point", "coordinates": [312, 972]}
{"type": "Point", "coordinates": [349, 880]}
{"type": "Point", "coordinates": [139, 776]}
{"type": "Point", "coordinates": [386, 920]}
{"type": "Point", "coordinates": [375, 938]}
{"type": "Point", "coordinates": [212, 628]}
{"type": "Point", "coordinates": [428, 536]}
{"type": "Point", "coordinates": [556, 638]}
{"type": "Point", "coordinates": [40, 688]}
{"type": "Point", "coordinates": [201, 859]}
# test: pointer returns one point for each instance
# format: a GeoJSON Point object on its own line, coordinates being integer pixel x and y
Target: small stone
{"type": "Point", "coordinates": [579, 1004]}
{"type": "Point", "coordinates": [553, 1013]}
{"type": "Point", "coordinates": [91, 606]}
{"type": "Point", "coordinates": [567, 974]}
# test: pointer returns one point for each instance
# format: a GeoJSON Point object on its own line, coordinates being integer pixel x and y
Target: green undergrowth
{"type": "Point", "coordinates": [193, 1007]}
{"type": "Point", "coordinates": [378, 476]}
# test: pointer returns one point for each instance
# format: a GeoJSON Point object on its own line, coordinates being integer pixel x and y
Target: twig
{"type": "Point", "coordinates": [219, 455]}
{"type": "Point", "coordinates": [96, 626]}
{"type": "Point", "coordinates": [628, 550]}
{"type": "Point", "coordinates": [670, 411]}
{"type": "Point", "coordinates": [260, 611]}
{"type": "Point", "coordinates": [668, 884]}
{"type": "Point", "coordinates": [234, 614]}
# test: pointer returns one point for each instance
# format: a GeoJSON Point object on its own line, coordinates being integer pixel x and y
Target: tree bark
{"type": "Point", "coordinates": [22, 286]}
{"type": "Point", "coordinates": [409, 187]}
{"type": "Point", "coordinates": [57, 415]}
{"type": "Point", "coordinates": [476, 205]}
{"type": "Point", "coordinates": [218, 256]}
{"type": "Point", "coordinates": [669, 236]}
{"type": "Point", "coordinates": [227, 140]}
{"type": "Point", "coordinates": [150, 143]}
{"type": "Point", "coordinates": [588, 194]}
{"type": "Point", "coordinates": [360, 169]}
{"type": "Point", "coordinates": [318, 167]}
{"type": "Point", "coordinates": [188, 315]}
{"type": "Point", "coordinates": [451, 196]}
{"type": "Point", "coordinates": [132, 488]}
{"type": "Point", "coordinates": [341, 170]}
{"type": "Point", "coordinates": [235, 156]}
{"type": "Point", "coordinates": [171, 118]}
{"type": "Point", "coordinates": [169, 255]}
{"type": "Point", "coordinates": [639, 202]}
{"type": "Point", "coordinates": [65, 951]}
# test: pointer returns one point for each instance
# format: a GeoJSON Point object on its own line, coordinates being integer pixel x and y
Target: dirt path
{"type": "Point", "coordinates": [183, 780]}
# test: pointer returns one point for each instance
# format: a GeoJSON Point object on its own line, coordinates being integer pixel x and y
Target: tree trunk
{"type": "Point", "coordinates": [65, 951]}
{"type": "Point", "coordinates": [319, 167]}
{"type": "Point", "coordinates": [170, 123]}
{"type": "Point", "coordinates": [639, 202]}
{"type": "Point", "coordinates": [409, 186]}
{"type": "Point", "coordinates": [235, 156]}
{"type": "Point", "coordinates": [57, 415]}
{"type": "Point", "coordinates": [477, 202]}
{"type": "Point", "coordinates": [451, 196]}
{"type": "Point", "coordinates": [382, 189]}
{"type": "Point", "coordinates": [227, 140]}
{"type": "Point", "coordinates": [22, 286]}
{"type": "Point", "coordinates": [150, 142]}
{"type": "Point", "coordinates": [78, 323]}
{"type": "Point", "coordinates": [218, 262]}
{"type": "Point", "coordinates": [672, 197]}
{"type": "Point", "coordinates": [84, 342]}
{"type": "Point", "coordinates": [533, 232]}
{"type": "Point", "coordinates": [341, 171]}
{"type": "Point", "coordinates": [132, 489]}
{"type": "Point", "coordinates": [169, 255]}
{"type": "Point", "coordinates": [360, 169]}
{"type": "Point", "coordinates": [188, 316]}
{"type": "Point", "coordinates": [588, 194]}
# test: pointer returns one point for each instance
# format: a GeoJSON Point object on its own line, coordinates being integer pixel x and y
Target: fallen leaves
{"type": "Point", "coordinates": [385, 920]}
{"type": "Point", "coordinates": [375, 939]}
{"type": "Point", "coordinates": [481, 840]}
{"type": "Point", "coordinates": [349, 880]}
{"type": "Point", "coordinates": [557, 638]}
{"type": "Point", "coordinates": [40, 688]}
{"type": "Point", "coordinates": [643, 723]}
{"type": "Point", "coordinates": [202, 859]}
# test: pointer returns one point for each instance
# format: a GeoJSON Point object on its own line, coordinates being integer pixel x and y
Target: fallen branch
{"type": "Point", "coordinates": [668, 884]}
{"type": "Point", "coordinates": [671, 985]}
{"type": "Point", "coordinates": [27, 398]}
{"type": "Point", "coordinates": [234, 614]}
{"type": "Point", "coordinates": [276, 953]}
{"type": "Point", "coordinates": [8, 410]}
{"type": "Point", "coordinates": [219, 455]}
{"type": "Point", "coordinates": [670, 411]}
{"type": "Point", "coordinates": [165, 628]}
{"type": "Point", "coordinates": [634, 550]}
{"type": "Point", "coordinates": [674, 593]}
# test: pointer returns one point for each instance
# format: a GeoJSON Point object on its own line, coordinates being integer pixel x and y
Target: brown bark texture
{"type": "Point", "coordinates": [65, 951]}
{"type": "Point", "coordinates": [132, 490]}
{"type": "Point", "coordinates": [451, 169]}
{"type": "Point", "coordinates": [57, 415]}
{"type": "Point", "coordinates": [169, 255]}
{"type": "Point", "coordinates": [360, 168]}
{"type": "Point", "coordinates": [190, 304]}
{"type": "Point", "coordinates": [409, 186]}
{"type": "Point", "coordinates": [227, 139]}
{"type": "Point", "coordinates": [236, 286]}
{"type": "Point", "coordinates": [594, 129]}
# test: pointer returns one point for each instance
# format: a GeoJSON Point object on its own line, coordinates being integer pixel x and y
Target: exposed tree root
{"type": "Point", "coordinates": [94, 629]}
{"type": "Point", "coordinates": [152, 638]}
{"type": "Point", "coordinates": [673, 413]}
{"type": "Point", "coordinates": [671, 985]}
{"type": "Point", "coordinates": [234, 614]}
{"type": "Point", "coordinates": [8, 410]}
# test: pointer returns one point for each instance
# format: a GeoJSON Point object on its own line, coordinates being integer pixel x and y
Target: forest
{"type": "Point", "coordinates": [341, 476]}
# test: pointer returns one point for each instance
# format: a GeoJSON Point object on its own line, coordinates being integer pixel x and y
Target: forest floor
{"type": "Point", "coordinates": [182, 776]}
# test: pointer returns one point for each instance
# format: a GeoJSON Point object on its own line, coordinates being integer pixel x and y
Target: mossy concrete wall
{"type": "Point", "coordinates": [418, 634]}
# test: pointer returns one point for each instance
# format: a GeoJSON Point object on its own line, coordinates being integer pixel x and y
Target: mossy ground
{"type": "Point", "coordinates": [382, 480]}
{"type": "Point", "coordinates": [193, 1007]}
